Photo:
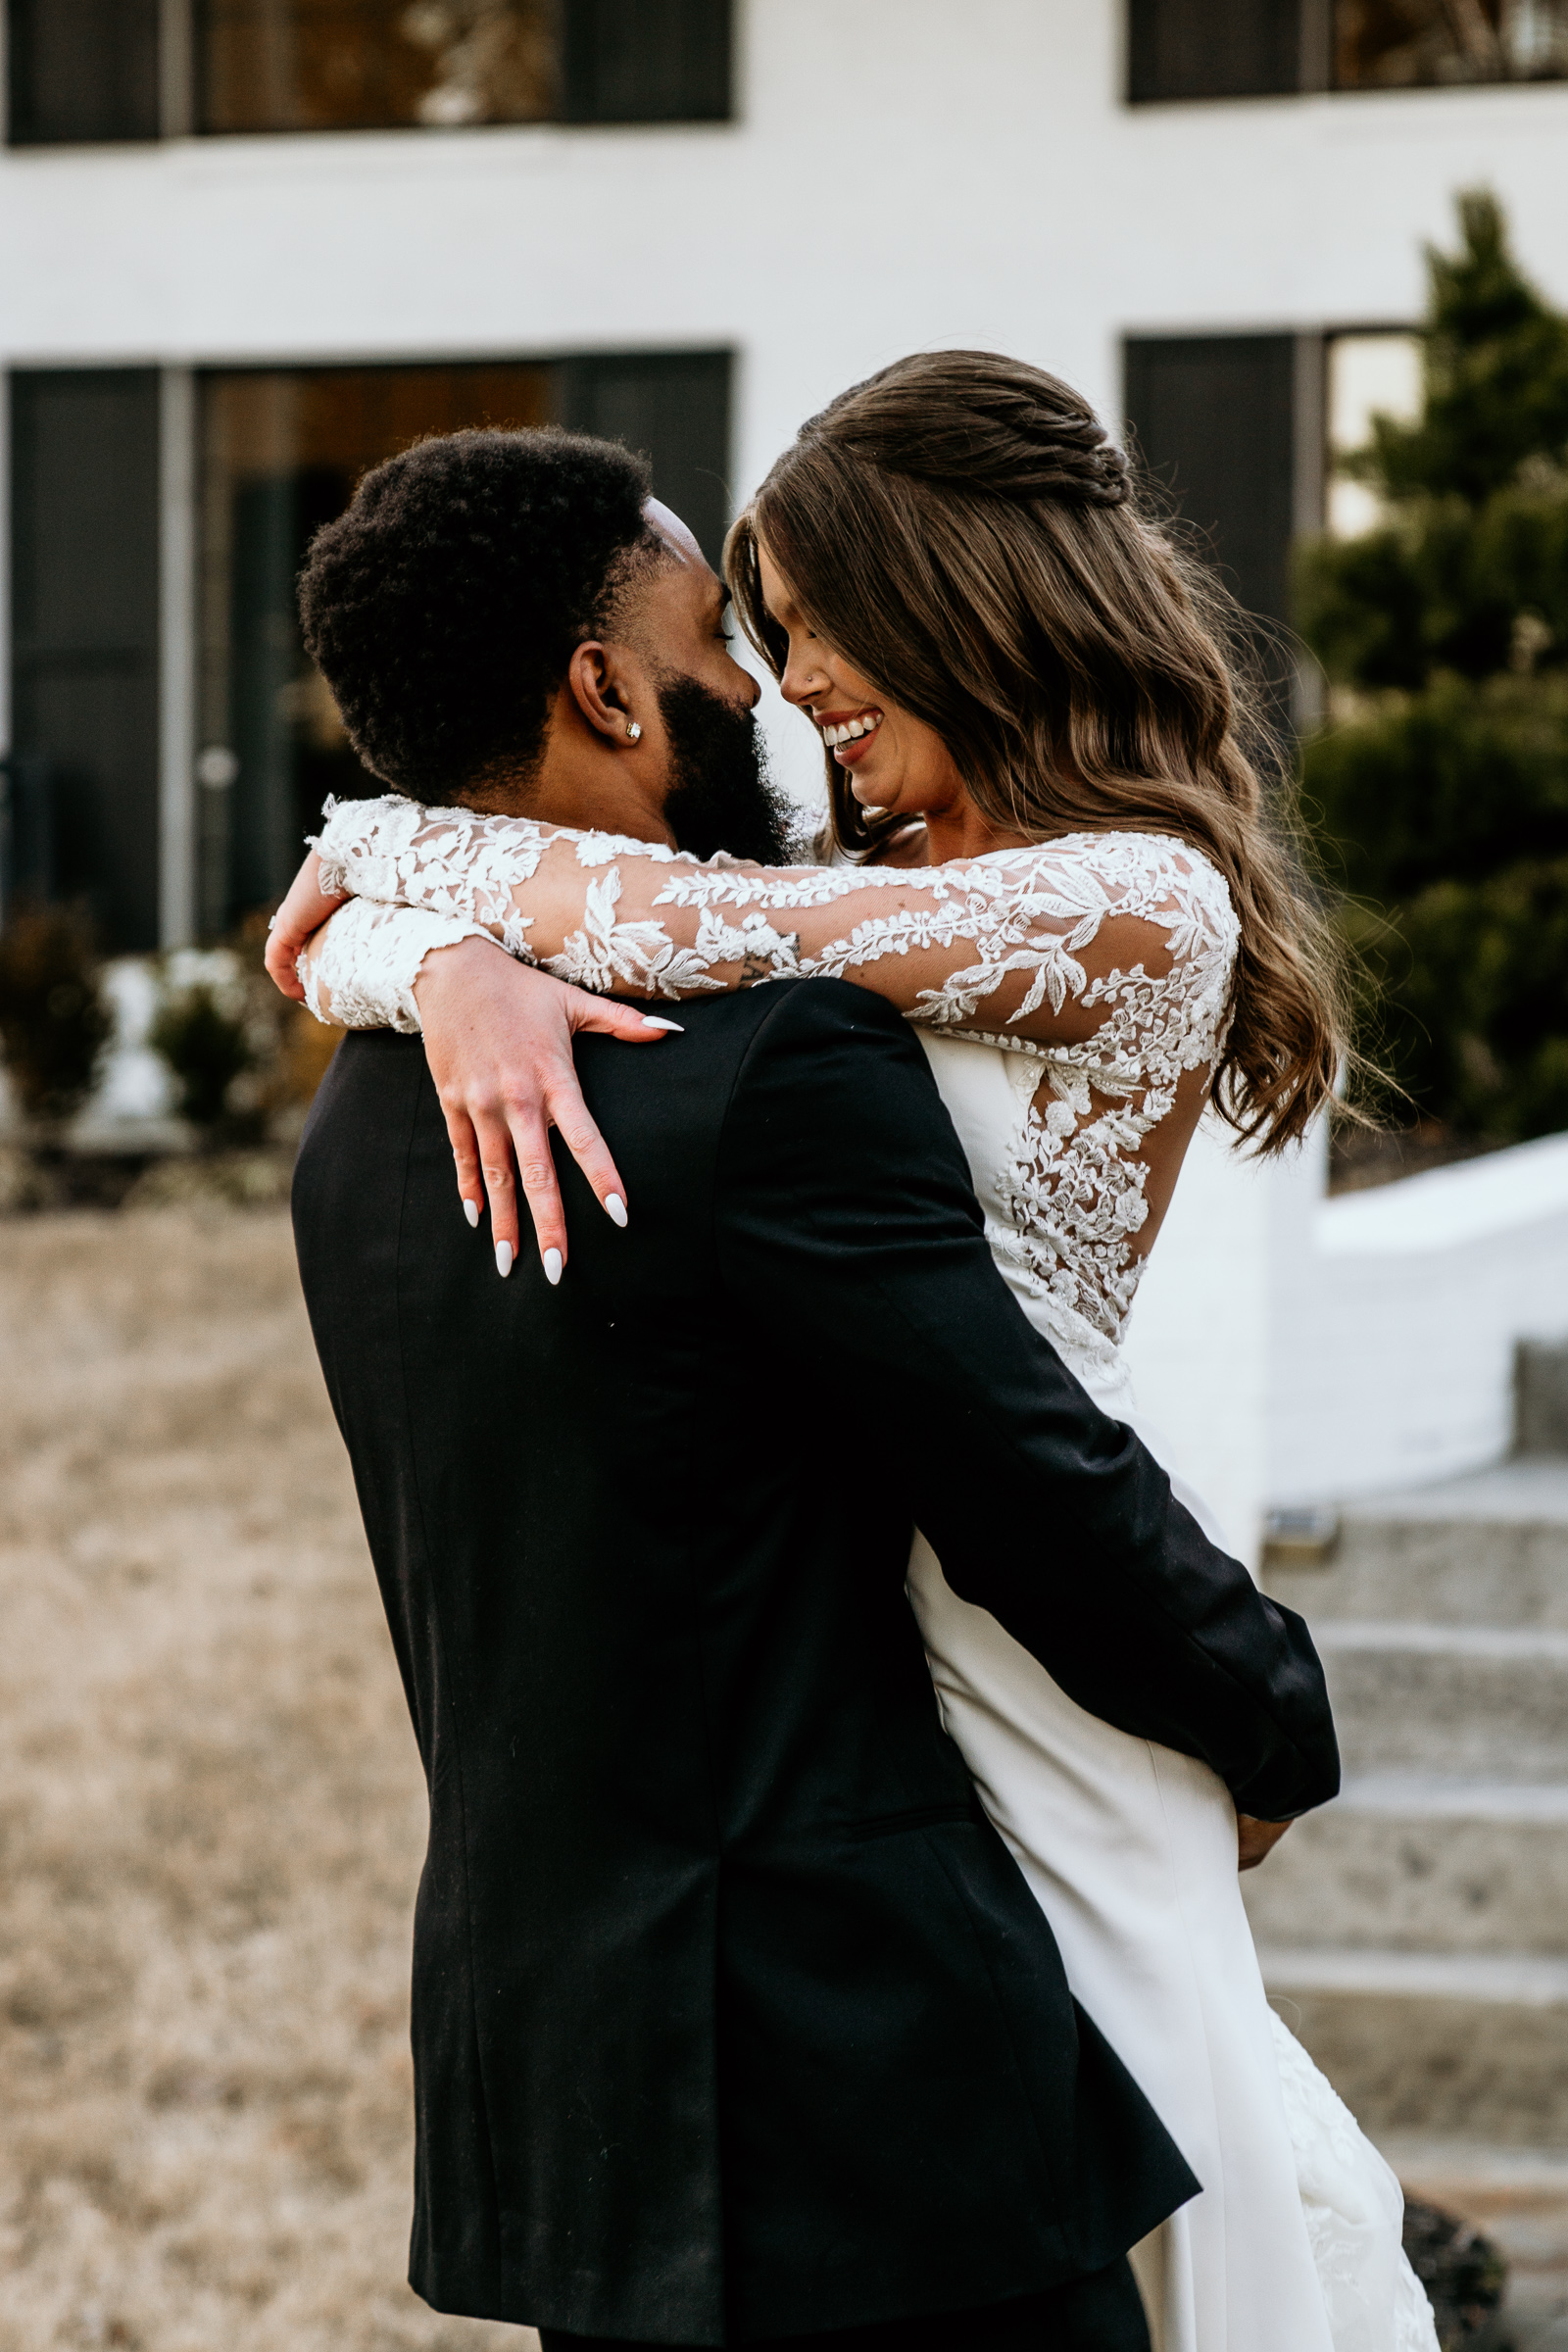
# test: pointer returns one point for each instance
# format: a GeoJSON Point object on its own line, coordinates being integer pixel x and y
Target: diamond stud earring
{"type": "Point", "coordinates": [634, 733]}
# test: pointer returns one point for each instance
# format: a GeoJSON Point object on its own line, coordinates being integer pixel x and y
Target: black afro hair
{"type": "Point", "coordinates": [443, 605]}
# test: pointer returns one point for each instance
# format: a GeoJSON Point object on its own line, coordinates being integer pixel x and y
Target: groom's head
{"type": "Point", "coordinates": [509, 620]}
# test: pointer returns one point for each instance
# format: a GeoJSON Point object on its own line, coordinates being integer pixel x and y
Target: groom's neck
{"type": "Point", "coordinates": [602, 800]}
{"type": "Point", "coordinates": [582, 781]}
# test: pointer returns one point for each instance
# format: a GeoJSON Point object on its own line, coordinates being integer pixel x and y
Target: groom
{"type": "Point", "coordinates": [734, 2021]}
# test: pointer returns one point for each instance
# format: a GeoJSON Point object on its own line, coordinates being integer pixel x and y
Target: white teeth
{"type": "Point", "coordinates": [852, 730]}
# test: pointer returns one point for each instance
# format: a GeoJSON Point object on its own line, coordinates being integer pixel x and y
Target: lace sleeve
{"type": "Point", "coordinates": [1091, 936]}
{"type": "Point", "coordinates": [359, 968]}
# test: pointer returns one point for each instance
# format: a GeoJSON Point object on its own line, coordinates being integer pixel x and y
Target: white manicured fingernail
{"type": "Point", "coordinates": [652, 1021]}
{"type": "Point", "coordinates": [471, 1209]}
{"type": "Point", "coordinates": [616, 1210]}
{"type": "Point", "coordinates": [551, 1265]}
{"type": "Point", "coordinates": [503, 1260]}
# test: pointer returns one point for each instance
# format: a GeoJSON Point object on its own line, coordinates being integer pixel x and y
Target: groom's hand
{"type": "Point", "coordinates": [498, 1038]}
{"type": "Point", "coordinates": [1255, 1840]}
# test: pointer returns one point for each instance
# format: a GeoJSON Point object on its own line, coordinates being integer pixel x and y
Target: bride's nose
{"type": "Point", "coordinates": [804, 680]}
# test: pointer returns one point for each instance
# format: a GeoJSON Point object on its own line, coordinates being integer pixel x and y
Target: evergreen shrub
{"type": "Point", "coordinates": [1440, 783]}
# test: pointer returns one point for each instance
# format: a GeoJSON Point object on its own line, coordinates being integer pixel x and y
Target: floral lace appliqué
{"type": "Point", "coordinates": [1022, 934]}
{"type": "Point", "coordinates": [1073, 1189]}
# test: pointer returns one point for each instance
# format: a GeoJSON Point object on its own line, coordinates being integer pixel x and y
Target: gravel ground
{"type": "Point", "coordinates": [211, 1817]}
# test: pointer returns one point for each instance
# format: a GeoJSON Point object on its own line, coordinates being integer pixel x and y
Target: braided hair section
{"type": "Point", "coordinates": [974, 421]}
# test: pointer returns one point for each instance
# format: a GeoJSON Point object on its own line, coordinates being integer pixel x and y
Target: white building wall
{"type": "Point", "coordinates": [1297, 1349]}
{"type": "Point", "coordinates": [902, 174]}
{"type": "Point", "coordinates": [1393, 1362]}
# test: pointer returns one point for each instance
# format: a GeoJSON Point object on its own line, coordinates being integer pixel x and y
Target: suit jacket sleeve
{"type": "Point", "coordinates": [848, 1226]}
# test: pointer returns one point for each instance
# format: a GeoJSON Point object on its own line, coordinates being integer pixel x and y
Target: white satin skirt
{"type": "Point", "coordinates": [1292, 2244]}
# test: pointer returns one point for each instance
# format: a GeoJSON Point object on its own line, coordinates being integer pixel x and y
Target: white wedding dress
{"type": "Point", "coordinates": [1294, 2244]}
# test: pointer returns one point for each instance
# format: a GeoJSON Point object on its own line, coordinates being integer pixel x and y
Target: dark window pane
{"type": "Point", "coordinates": [1212, 49]}
{"type": "Point", "coordinates": [675, 409]}
{"type": "Point", "coordinates": [1212, 421]}
{"type": "Point", "coordinates": [335, 65]}
{"type": "Point", "coordinates": [1394, 44]}
{"type": "Point", "coordinates": [347, 65]}
{"type": "Point", "coordinates": [81, 70]}
{"type": "Point", "coordinates": [281, 454]}
{"type": "Point", "coordinates": [647, 60]}
{"type": "Point", "coordinates": [84, 622]}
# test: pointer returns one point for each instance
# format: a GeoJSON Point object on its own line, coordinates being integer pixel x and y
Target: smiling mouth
{"type": "Point", "coordinates": [843, 737]}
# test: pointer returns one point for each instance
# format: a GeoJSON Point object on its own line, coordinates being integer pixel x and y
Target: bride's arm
{"type": "Point", "coordinates": [1126, 941]}
{"type": "Point", "coordinates": [370, 966]}
{"type": "Point", "coordinates": [1038, 944]}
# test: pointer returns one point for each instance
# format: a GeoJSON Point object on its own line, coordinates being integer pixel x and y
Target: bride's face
{"type": "Point", "coordinates": [894, 760]}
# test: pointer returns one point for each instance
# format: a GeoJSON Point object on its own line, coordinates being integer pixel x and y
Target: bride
{"type": "Point", "coordinates": [1051, 854]}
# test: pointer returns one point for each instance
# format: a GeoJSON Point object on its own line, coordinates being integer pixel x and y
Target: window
{"type": "Point", "coordinates": [84, 493]}
{"type": "Point", "coordinates": [98, 742]}
{"type": "Point", "coordinates": [282, 451]}
{"type": "Point", "coordinates": [1187, 49]}
{"type": "Point", "coordinates": [351, 65]}
{"type": "Point", "coordinates": [1405, 44]}
{"type": "Point", "coordinates": [97, 70]}
{"type": "Point", "coordinates": [1367, 375]}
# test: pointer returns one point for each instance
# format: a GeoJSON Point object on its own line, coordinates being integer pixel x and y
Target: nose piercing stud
{"type": "Point", "coordinates": [634, 733]}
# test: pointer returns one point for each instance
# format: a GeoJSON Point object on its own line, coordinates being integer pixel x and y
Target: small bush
{"type": "Point", "coordinates": [54, 1021]}
{"type": "Point", "coordinates": [1463, 2272]}
{"type": "Point", "coordinates": [246, 1062]}
{"type": "Point", "coordinates": [204, 1041]}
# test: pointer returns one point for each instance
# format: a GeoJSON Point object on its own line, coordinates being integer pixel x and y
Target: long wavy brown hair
{"type": "Point", "coordinates": [960, 529]}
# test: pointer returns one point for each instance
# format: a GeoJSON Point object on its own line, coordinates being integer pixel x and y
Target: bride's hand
{"type": "Point", "coordinates": [304, 911]}
{"type": "Point", "coordinates": [498, 1038]}
{"type": "Point", "coordinates": [1255, 1840]}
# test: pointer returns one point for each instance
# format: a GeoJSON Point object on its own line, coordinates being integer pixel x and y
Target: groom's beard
{"type": "Point", "coordinates": [723, 797]}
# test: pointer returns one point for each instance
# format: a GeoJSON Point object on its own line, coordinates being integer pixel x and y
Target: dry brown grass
{"type": "Point", "coordinates": [211, 1817]}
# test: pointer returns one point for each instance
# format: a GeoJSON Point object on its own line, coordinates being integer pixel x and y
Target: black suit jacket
{"type": "Point", "coordinates": [732, 2016]}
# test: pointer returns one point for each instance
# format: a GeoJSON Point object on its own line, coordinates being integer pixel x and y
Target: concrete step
{"type": "Point", "coordinates": [1456, 2045]}
{"type": "Point", "coordinates": [1483, 1701]}
{"type": "Point", "coordinates": [1488, 1549]}
{"type": "Point", "coordinates": [1415, 1934]}
{"type": "Point", "coordinates": [1412, 1861]}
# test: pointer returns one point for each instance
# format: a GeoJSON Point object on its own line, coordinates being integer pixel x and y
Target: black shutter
{"type": "Point", "coordinates": [647, 60]}
{"type": "Point", "coordinates": [1212, 417]}
{"type": "Point", "coordinates": [84, 451]}
{"type": "Point", "coordinates": [674, 407]}
{"type": "Point", "coordinates": [1212, 49]}
{"type": "Point", "coordinates": [265, 656]}
{"type": "Point", "coordinates": [81, 70]}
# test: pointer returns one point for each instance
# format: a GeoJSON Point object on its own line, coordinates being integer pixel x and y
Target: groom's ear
{"type": "Point", "coordinates": [597, 682]}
